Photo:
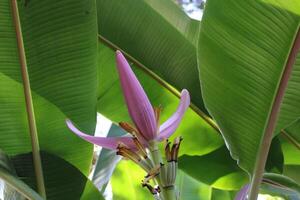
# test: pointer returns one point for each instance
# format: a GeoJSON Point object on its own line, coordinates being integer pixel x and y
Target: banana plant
{"type": "Point", "coordinates": [240, 65]}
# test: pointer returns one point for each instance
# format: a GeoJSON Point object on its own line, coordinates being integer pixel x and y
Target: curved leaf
{"type": "Point", "coordinates": [235, 72]}
{"type": "Point", "coordinates": [249, 51]}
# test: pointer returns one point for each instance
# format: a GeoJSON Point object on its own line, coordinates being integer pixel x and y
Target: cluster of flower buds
{"type": "Point", "coordinates": [169, 170]}
{"type": "Point", "coordinates": [163, 176]}
{"type": "Point", "coordinates": [164, 173]}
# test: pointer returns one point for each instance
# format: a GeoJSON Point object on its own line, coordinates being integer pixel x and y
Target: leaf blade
{"type": "Point", "coordinates": [255, 93]}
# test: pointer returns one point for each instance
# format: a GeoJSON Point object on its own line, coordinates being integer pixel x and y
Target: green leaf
{"type": "Point", "coordinates": [191, 189]}
{"type": "Point", "coordinates": [222, 195]}
{"type": "Point", "coordinates": [249, 80]}
{"type": "Point", "coordinates": [60, 41]}
{"type": "Point", "coordinates": [126, 182]}
{"type": "Point", "coordinates": [62, 179]}
{"type": "Point", "coordinates": [216, 169]}
{"type": "Point", "coordinates": [199, 137]}
{"type": "Point", "coordinates": [279, 185]}
{"type": "Point", "coordinates": [291, 158]}
{"type": "Point", "coordinates": [292, 6]}
{"type": "Point", "coordinates": [13, 186]}
{"type": "Point", "coordinates": [156, 34]}
{"type": "Point", "coordinates": [235, 72]}
{"type": "Point", "coordinates": [291, 152]}
{"type": "Point", "coordinates": [220, 171]}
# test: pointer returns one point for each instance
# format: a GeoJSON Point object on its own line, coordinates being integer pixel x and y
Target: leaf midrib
{"type": "Point", "coordinates": [28, 101]}
{"type": "Point", "coordinates": [271, 121]}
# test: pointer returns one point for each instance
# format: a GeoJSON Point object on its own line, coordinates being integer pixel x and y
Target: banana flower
{"type": "Point", "coordinates": [145, 118]}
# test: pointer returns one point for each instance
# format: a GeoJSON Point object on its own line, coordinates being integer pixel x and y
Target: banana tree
{"type": "Point", "coordinates": [57, 62]}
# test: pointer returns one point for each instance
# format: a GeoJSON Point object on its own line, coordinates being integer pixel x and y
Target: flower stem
{"type": "Point", "coordinates": [155, 153]}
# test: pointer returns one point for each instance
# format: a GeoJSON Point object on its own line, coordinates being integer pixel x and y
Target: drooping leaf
{"type": "Point", "coordinates": [60, 41]}
{"type": "Point", "coordinates": [62, 179]}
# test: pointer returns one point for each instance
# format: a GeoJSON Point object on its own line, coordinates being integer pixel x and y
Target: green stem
{"type": "Point", "coordinates": [156, 158]}
{"type": "Point", "coordinates": [168, 193]}
{"type": "Point", "coordinates": [29, 104]}
{"type": "Point", "coordinates": [155, 153]}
